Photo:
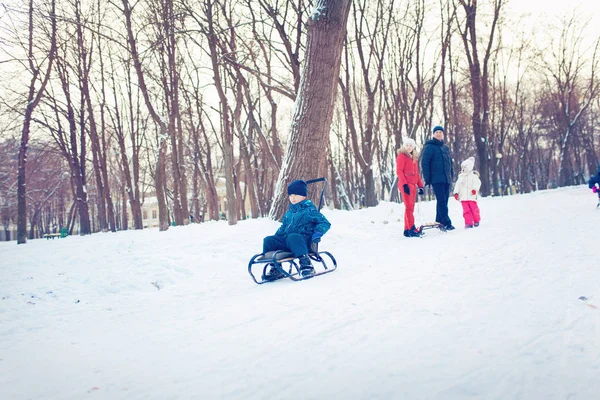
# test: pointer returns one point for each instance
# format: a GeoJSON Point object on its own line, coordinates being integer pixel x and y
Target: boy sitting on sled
{"type": "Point", "coordinates": [302, 225]}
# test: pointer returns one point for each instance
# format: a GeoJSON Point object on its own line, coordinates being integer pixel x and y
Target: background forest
{"type": "Point", "coordinates": [107, 105]}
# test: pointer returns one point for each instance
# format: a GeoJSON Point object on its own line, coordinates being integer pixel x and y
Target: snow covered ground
{"type": "Point", "coordinates": [488, 313]}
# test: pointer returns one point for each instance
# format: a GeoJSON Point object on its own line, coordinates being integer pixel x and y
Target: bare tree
{"type": "Point", "coordinates": [227, 131]}
{"type": "Point", "coordinates": [160, 173]}
{"type": "Point", "coordinates": [85, 55]}
{"type": "Point", "coordinates": [306, 153]}
{"type": "Point", "coordinates": [201, 148]}
{"type": "Point", "coordinates": [288, 20]}
{"type": "Point", "coordinates": [369, 42]}
{"type": "Point", "coordinates": [509, 69]}
{"type": "Point", "coordinates": [72, 139]}
{"type": "Point", "coordinates": [102, 143]}
{"type": "Point", "coordinates": [571, 86]}
{"type": "Point", "coordinates": [129, 155]}
{"type": "Point", "coordinates": [166, 25]}
{"type": "Point", "coordinates": [479, 78]}
{"type": "Point", "coordinates": [33, 99]}
{"type": "Point", "coordinates": [410, 82]}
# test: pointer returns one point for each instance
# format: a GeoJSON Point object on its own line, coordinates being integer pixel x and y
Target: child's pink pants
{"type": "Point", "coordinates": [470, 212]}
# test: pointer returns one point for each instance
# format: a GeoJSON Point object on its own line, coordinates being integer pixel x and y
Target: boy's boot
{"type": "Point", "coordinates": [272, 274]}
{"type": "Point", "coordinates": [476, 224]}
{"type": "Point", "coordinates": [306, 268]}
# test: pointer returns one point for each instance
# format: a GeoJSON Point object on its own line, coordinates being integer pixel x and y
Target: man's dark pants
{"type": "Point", "coordinates": [442, 192]}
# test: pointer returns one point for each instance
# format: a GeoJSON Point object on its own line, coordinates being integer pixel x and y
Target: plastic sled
{"type": "Point", "coordinates": [289, 266]}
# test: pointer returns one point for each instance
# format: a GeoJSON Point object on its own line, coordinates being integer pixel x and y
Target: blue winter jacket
{"type": "Point", "coordinates": [436, 163]}
{"type": "Point", "coordinates": [305, 219]}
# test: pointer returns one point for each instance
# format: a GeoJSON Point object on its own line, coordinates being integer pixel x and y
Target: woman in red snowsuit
{"type": "Point", "coordinates": [409, 182]}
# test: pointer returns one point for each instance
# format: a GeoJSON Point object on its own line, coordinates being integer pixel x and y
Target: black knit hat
{"type": "Point", "coordinates": [297, 187]}
{"type": "Point", "coordinates": [438, 128]}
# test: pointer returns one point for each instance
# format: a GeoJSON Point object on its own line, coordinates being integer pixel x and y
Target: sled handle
{"type": "Point", "coordinates": [322, 189]}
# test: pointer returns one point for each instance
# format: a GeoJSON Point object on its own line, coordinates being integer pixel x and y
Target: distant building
{"type": "Point", "coordinates": [150, 211]}
{"type": "Point", "coordinates": [150, 206]}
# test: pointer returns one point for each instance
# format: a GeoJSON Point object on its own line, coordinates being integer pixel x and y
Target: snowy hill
{"type": "Point", "coordinates": [487, 313]}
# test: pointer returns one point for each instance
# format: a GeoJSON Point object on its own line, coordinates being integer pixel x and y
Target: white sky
{"type": "Point", "coordinates": [552, 6]}
{"type": "Point", "coordinates": [552, 10]}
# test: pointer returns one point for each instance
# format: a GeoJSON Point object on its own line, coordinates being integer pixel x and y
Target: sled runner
{"type": "Point", "coordinates": [432, 225]}
{"type": "Point", "coordinates": [286, 264]}
{"type": "Point", "coordinates": [279, 259]}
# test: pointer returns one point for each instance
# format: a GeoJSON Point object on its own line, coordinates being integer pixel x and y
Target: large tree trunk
{"type": "Point", "coordinates": [21, 181]}
{"type": "Point", "coordinates": [306, 153]}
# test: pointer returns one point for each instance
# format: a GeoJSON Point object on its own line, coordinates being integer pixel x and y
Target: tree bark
{"type": "Point", "coordinates": [306, 153]}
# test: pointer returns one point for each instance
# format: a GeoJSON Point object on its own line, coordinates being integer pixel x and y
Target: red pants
{"type": "Point", "coordinates": [409, 205]}
{"type": "Point", "coordinates": [470, 212]}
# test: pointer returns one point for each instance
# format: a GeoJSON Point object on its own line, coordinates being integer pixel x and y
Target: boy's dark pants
{"type": "Point", "coordinates": [442, 192]}
{"type": "Point", "coordinates": [294, 242]}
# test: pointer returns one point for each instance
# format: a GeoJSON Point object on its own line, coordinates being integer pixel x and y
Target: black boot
{"type": "Point", "coordinates": [410, 233]}
{"type": "Point", "coordinates": [306, 268]}
{"type": "Point", "coordinates": [272, 274]}
{"type": "Point", "coordinates": [415, 231]}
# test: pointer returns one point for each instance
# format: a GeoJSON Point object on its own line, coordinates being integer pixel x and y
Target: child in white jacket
{"type": "Point", "coordinates": [466, 189]}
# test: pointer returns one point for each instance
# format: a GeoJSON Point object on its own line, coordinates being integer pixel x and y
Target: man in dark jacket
{"type": "Point", "coordinates": [436, 165]}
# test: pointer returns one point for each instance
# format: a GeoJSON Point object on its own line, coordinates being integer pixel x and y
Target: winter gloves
{"type": "Point", "coordinates": [456, 196]}
{"type": "Point", "coordinates": [595, 189]}
{"type": "Point", "coordinates": [406, 189]}
{"type": "Point", "coordinates": [316, 237]}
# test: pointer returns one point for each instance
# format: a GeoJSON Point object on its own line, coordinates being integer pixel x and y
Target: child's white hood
{"type": "Point", "coordinates": [468, 164]}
